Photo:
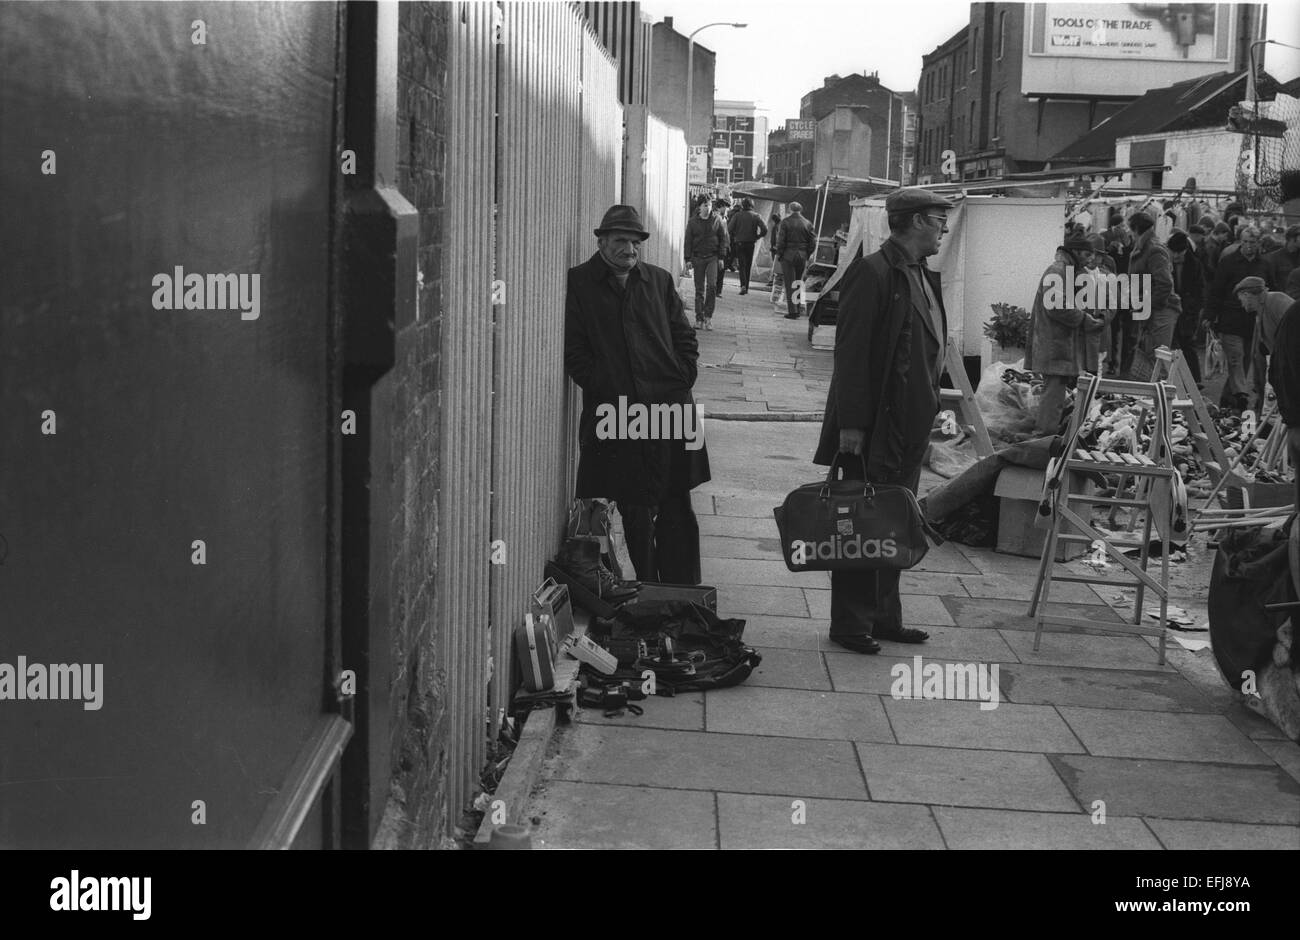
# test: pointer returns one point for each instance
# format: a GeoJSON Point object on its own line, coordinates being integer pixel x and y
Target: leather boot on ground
{"type": "Point", "coordinates": [580, 558]}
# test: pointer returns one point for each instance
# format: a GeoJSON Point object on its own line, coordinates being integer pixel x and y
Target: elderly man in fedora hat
{"type": "Point", "coordinates": [627, 343]}
{"type": "Point", "coordinates": [890, 346]}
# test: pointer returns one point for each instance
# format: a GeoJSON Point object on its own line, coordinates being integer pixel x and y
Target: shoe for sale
{"type": "Point", "coordinates": [580, 559]}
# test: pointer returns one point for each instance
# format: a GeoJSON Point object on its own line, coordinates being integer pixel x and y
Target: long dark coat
{"type": "Point", "coordinates": [885, 381]}
{"type": "Point", "coordinates": [634, 343]}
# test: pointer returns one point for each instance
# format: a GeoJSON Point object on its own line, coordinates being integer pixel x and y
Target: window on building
{"type": "Point", "coordinates": [1002, 33]}
{"type": "Point", "coordinates": [975, 49]}
{"type": "Point", "coordinates": [997, 115]}
{"type": "Point", "coordinates": [972, 124]}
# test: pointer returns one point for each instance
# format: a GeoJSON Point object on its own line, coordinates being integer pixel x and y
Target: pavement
{"type": "Point", "coordinates": [1092, 744]}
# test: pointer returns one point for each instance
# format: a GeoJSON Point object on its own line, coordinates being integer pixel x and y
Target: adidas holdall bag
{"type": "Point", "coordinates": [852, 525]}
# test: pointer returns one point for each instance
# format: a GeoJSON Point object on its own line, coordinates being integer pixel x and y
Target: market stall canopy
{"type": "Point", "coordinates": [839, 191]}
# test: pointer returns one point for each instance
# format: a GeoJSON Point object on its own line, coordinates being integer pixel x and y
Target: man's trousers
{"type": "Point", "coordinates": [663, 542]}
{"type": "Point", "coordinates": [864, 603]}
{"type": "Point", "coordinates": [792, 274]}
{"type": "Point", "coordinates": [1236, 391]}
{"type": "Point", "coordinates": [706, 270]}
{"type": "Point", "coordinates": [745, 260]}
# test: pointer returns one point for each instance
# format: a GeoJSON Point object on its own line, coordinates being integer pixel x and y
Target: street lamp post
{"type": "Point", "coordinates": [690, 83]}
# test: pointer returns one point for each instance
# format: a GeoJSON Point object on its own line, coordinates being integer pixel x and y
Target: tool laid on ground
{"type": "Point", "coordinates": [1160, 499]}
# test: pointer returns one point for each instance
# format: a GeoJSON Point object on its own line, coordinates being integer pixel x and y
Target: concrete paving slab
{"type": "Point", "coordinates": [899, 773]}
{"type": "Point", "coordinates": [790, 669]}
{"type": "Point", "coordinates": [1252, 724]}
{"type": "Point", "coordinates": [919, 610]}
{"type": "Point", "coordinates": [931, 584]}
{"type": "Point", "coordinates": [739, 527]}
{"type": "Point", "coordinates": [738, 600]}
{"type": "Point", "coordinates": [1197, 835]}
{"type": "Point", "coordinates": [1036, 728]}
{"type": "Point", "coordinates": [702, 503]}
{"type": "Point", "coordinates": [796, 713]}
{"type": "Point", "coordinates": [1286, 753]}
{"type": "Point", "coordinates": [1029, 684]}
{"type": "Point", "coordinates": [772, 573]}
{"type": "Point", "coordinates": [684, 712]}
{"type": "Point", "coordinates": [876, 675]}
{"type": "Point", "coordinates": [1126, 732]}
{"type": "Point", "coordinates": [717, 546]}
{"type": "Point", "coordinates": [768, 822]}
{"type": "Point", "coordinates": [956, 644]}
{"type": "Point", "coordinates": [1009, 829]}
{"type": "Point", "coordinates": [1096, 651]}
{"type": "Point", "coordinates": [1020, 588]}
{"type": "Point", "coordinates": [791, 633]}
{"type": "Point", "coordinates": [1182, 789]}
{"type": "Point", "coordinates": [692, 760]}
{"type": "Point", "coordinates": [946, 558]}
{"type": "Point", "coordinates": [598, 816]}
{"type": "Point", "coordinates": [753, 507]}
{"type": "Point", "coordinates": [1004, 614]}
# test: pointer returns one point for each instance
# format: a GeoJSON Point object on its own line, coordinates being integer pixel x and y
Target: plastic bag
{"type": "Point", "coordinates": [1214, 363]}
{"type": "Point", "coordinates": [1009, 408]}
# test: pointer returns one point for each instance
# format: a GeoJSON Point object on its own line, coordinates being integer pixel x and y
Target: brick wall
{"type": "Point", "coordinates": [418, 717]}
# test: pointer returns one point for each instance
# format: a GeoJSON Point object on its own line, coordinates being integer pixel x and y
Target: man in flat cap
{"type": "Point", "coordinates": [627, 343]}
{"type": "Point", "coordinates": [1267, 307]}
{"type": "Point", "coordinates": [890, 344]}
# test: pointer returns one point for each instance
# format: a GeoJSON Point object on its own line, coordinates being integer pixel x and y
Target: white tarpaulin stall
{"type": "Point", "coordinates": [995, 251]}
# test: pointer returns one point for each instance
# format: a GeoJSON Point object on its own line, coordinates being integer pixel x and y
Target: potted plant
{"type": "Point", "coordinates": [1009, 331]}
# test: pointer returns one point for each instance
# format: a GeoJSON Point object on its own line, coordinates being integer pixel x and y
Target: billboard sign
{"type": "Point", "coordinates": [721, 158]}
{"type": "Point", "coordinates": [1082, 49]}
{"type": "Point", "coordinates": [800, 130]}
{"type": "Point", "coordinates": [697, 166]}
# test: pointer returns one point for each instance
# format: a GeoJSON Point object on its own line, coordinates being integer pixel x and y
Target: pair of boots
{"type": "Point", "coordinates": [580, 558]}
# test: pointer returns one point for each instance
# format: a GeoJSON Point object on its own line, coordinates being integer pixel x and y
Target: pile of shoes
{"type": "Point", "coordinates": [587, 556]}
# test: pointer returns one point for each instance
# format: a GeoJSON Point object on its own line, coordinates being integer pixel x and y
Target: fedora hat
{"type": "Point", "coordinates": [622, 219]}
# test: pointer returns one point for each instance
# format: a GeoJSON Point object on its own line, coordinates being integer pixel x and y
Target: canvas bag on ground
{"type": "Point", "coordinates": [852, 525]}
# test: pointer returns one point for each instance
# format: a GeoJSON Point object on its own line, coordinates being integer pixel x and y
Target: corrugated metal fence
{"type": "Point", "coordinates": [464, 533]}
{"type": "Point", "coordinates": [553, 159]}
{"type": "Point", "coordinates": [654, 180]}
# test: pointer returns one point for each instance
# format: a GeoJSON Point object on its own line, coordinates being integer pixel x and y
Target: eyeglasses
{"type": "Point", "coordinates": [942, 220]}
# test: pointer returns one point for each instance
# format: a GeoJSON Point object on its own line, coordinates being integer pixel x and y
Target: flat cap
{"type": "Point", "coordinates": [1251, 284]}
{"type": "Point", "coordinates": [913, 199]}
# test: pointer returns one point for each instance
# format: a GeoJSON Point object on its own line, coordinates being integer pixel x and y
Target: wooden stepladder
{"type": "Point", "coordinates": [1159, 499]}
{"type": "Point", "coordinates": [963, 399]}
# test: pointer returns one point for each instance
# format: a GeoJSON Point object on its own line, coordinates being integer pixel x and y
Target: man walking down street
{"type": "Point", "coordinates": [626, 340]}
{"type": "Point", "coordinates": [1064, 340]}
{"type": "Point", "coordinates": [1226, 316]}
{"type": "Point", "coordinates": [722, 211]}
{"type": "Point", "coordinates": [890, 344]}
{"type": "Point", "coordinates": [745, 229]}
{"type": "Point", "coordinates": [795, 244]}
{"type": "Point", "coordinates": [1284, 376]}
{"type": "Point", "coordinates": [705, 247]}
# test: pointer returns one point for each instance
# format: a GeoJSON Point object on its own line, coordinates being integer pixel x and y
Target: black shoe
{"type": "Point", "coordinates": [857, 644]}
{"type": "Point", "coordinates": [903, 635]}
{"type": "Point", "coordinates": [744, 291]}
{"type": "Point", "coordinates": [580, 559]}
{"type": "Point", "coordinates": [792, 316]}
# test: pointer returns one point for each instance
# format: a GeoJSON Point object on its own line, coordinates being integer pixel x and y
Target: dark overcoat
{"type": "Point", "coordinates": [886, 377]}
{"type": "Point", "coordinates": [633, 342]}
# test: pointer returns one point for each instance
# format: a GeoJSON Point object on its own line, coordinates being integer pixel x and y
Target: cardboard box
{"type": "Point", "coordinates": [1021, 530]}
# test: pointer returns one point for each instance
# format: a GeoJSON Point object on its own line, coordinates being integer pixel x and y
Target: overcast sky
{"type": "Point", "coordinates": [789, 46]}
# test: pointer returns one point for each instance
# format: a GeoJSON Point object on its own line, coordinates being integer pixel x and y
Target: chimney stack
{"type": "Point", "coordinates": [668, 21]}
